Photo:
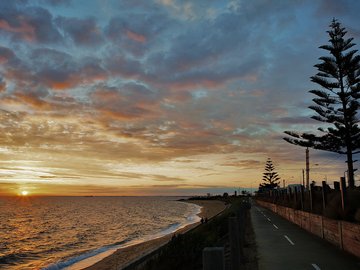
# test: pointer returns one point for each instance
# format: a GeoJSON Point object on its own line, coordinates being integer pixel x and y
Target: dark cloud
{"type": "Point", "coordinates": [83, 32]}
{"type": "Point", "coordinates": [6, 55]}
{"type": "Point", "coordinates": [56, 3]}
{"type": "Point", "coordinates": [31, 24]}
{"type": "Point", "coordinates": [300, 120]}
{"type": "Point", "coordinates": [138, 32]}
{"type": "Point", "coordinates": [123, 66]}
{"type": "Point", "coordinates": [129, 101]}
{"type": "Point", "coordinates": [59, 70]}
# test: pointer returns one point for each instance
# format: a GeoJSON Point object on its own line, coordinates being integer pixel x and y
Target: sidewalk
{"type": "Point", "coordinates": [284, 246]}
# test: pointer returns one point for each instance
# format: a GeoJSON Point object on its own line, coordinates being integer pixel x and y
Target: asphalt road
{"type": "Point", "coordinates": [285, 246]}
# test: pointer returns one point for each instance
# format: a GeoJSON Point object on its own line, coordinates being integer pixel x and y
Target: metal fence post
{"type": "Point", "coordinates": [302, 197]}
{"type": "Point", "coordinates": [311, 197]}
{"type": "Point", "coordinates": [324, 194]}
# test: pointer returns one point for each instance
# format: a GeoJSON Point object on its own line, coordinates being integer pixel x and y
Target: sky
{"type": "Point", "coordinates": [161, 97]}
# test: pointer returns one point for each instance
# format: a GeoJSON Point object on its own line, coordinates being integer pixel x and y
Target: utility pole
{"type": "Point", "coordinates": [303, 174]}
{"type": "Point", "coordinates": [307, 168]}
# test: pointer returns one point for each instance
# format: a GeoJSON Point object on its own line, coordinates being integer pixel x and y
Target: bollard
{"type": "Point", "coordinates": [213, 258]}
{"type": "Point", "coordinates": [234, 243]}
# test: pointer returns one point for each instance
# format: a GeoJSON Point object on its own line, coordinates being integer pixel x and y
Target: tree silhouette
{"type": "Point", "coordinates": [337, 103]}
{"type": "Point", "coordinates": [270, 177]}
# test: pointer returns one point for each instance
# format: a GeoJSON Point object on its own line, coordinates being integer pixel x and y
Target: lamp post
{"type": "Point", "coordinates": [303, 177]}
{"type": "Point", "coordinates": [307, 167]}
{"type": "Point", "coordinates": [308, 174]}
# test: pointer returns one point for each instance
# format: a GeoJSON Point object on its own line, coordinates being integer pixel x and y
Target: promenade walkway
{"type": "Point", "coordinates": [284, 246]}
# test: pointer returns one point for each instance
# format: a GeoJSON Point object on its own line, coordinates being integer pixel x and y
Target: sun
{"type": "Point", "coordinates": [24, 193]}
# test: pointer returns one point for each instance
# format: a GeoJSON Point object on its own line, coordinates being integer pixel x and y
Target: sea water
{"type": "Point", "coordinates": [57, 232]}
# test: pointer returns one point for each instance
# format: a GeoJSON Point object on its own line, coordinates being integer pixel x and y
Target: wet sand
{"type": "Point", "coordinates": [126, 255]}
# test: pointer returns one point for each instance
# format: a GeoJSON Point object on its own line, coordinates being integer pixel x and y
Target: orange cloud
{"type": "Point", "coordinates": [24, 29]}
{"type": "Point", "coordinates": [82, 77]}
{"type": "Point", "coordinates": [62, 85]}
{"type": "Point", "coordinates": [186, 85]}
{"type": "Point", "coordinates": [117, 115]}
{"type": "Point", "coordinates": [135, 36]}
{"type": "Point", "coordinates": [2, 86]}
{"type": "Point", "coordinates": [34, 101]}
{"type": "Point", "coordinates": [106, 95]}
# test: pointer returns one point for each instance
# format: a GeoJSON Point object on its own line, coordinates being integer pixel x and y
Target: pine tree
{"type": "Point", "coordinates": [337, 102]}
{"type": "Point", "coordinates": [270, 177]}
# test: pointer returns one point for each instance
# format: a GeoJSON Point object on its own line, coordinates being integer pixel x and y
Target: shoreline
{"type": "Point", "coordinates": [123, 256]}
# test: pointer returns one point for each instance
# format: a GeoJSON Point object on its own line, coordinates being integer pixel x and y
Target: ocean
{"type": "Point", "coordinates": [57, 232]}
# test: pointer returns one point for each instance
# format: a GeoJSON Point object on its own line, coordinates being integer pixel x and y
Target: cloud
{"type": "Point", "coordinates": [59, 70]}
{"type": "Point", "coordinates": [123, 66]}
{"type": "Point", "coordinates": [244, 164]}
{"type": "Point", "coordinates": [2, 85]}
{"type": "Point", "coordinates": [135, 36]}
{"type": "Point", "coordinates": [83, 32]}
{"type": "Point", "coordinates": [139, 82]}
{"type": "Point", "coordinates": [56, 3]}
{"type": "Point", "coordinates": [126, 102]}
{"type": "Point", "coordinates": [31, 24]}
{"type": "Point", "coordinates": [33, 100]}
{"type": "Point", "coordinates": [6, 54]}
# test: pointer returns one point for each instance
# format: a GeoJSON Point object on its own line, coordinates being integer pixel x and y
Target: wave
{"type": "Point", "coordinates": [72, 261]}
{"type": "Point", "coordinates": [91, 257]}
{"type": "Point", "coordinates": [106, 251]}
{"type": "Point", "coordinates": [12, 258]}
{"type": "Point", "coordinates": [16, 257]}
{"type": "Point", "coordinates": [169, 230]}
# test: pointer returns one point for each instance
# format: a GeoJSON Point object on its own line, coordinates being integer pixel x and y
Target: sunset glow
{"type": "Point", "coordinates": [159, 97]}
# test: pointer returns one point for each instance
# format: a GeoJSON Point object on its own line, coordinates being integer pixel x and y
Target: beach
{"type": "Point", "coordinates": [123, 256]}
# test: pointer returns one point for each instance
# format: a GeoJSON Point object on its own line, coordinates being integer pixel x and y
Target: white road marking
{"type": "Point", "coordinates": [276, 227]}
{"type": "Point", "coordinates": [268, 219]}
{"type": "Point", "coordinates": [315, 266]}
{"type": "Point", "coordinates": [287, 238]}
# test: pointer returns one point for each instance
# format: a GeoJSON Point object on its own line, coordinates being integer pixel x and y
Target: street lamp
{"type": "Point", "coordinates": [307, 167]}
{"type": "Point", "coordinates": [308, 174]}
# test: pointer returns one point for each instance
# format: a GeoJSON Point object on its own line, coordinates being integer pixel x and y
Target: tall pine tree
{"type": "Point", "coordinates": [337, 102]}
{"type": "Point", "coordinates": [270, 177]}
